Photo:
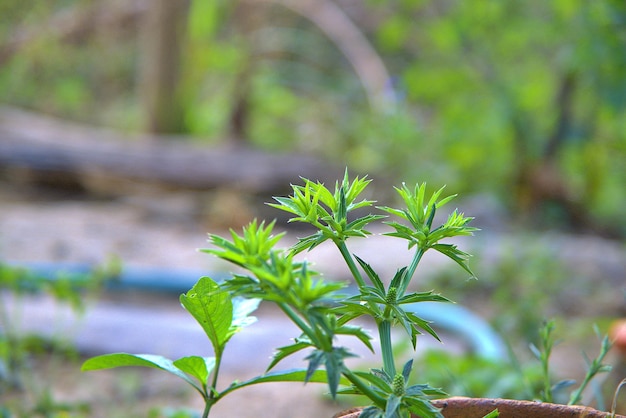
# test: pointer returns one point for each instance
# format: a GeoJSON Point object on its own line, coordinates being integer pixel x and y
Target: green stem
{"type": "Point", "coordinates": [207, 408]}
{"type": "Point", "coordinates": [384, 333]}
{"type": "Point", "coordinates": [210, 394]}
{"type": "Point", "coordinates": [595, 368]}
{"type": "Point", "coordinates": [304, 327]}
{"type": "Point", "coordinates": [350, 262]}
{"type": "Point", "coordinates": [547, 384]}
{"type": "Point", "coordinates": [216, 371]}
{"type": "Point", "coordinates": [547, 342]}
{"type": "Point", "coordinates": [365, 389]}
{"type": "Point", "coordinates": [408, 274]}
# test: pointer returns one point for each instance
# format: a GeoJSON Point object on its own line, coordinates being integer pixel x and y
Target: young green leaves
{"type": "Point", "coordinates": [420, 233]}
{"type": "Point", "coordinates": [314, 204]}
{"type": "Point", "coordinates": [312, 303]}
{"type": "Point", "coordinates": [274, 275]}
{"type": "Point", "coordinates": [386, 304]}
{"type": "Point", "coordinates": [250, 249]}
{"type": "Point", "coordinates": [220, 317]}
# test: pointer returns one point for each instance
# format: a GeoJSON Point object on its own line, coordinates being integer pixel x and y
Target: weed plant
{"type": "Point", "coordinates": [317, 306]}
{"type": "Point", "coordinates": [323, 310]}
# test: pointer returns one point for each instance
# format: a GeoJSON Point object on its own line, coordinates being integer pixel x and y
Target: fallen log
{"type": "Point", "coordinates": [112, 163]}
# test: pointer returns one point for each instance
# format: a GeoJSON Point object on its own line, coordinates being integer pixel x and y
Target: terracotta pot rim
{"type": "Point", "coordinates": [462, 407]}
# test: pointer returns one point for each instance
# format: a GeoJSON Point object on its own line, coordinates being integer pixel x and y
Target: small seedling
{"type": "Point", "coordinates": [543, 353]}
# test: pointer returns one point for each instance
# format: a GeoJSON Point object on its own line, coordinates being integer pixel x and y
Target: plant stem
{"type": "Point", "coordinates": [210, 394]}
{"type": "Point", "coordinates": [350, 262]}
{"type": "Point", "coordinates": [408, 274]}
{"type": "Point", "coordinates": [547, 384]}
{"type": "Point", "coordinates": [304, 327]}
{"type": "Point", "coordinates": [216, 371]}
{"type": "Point", "coordinates": [365, 389]}
{"type": "Point", "coordinates": [595, 367]}
{"type": "Point", "coordinates": [207, 408]}
{"type": "Point", "coordinates": [384, 333]}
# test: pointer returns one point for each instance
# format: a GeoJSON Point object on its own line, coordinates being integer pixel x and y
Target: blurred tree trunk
{"type": "Point", "coordinates": [163, 35]}
{"type": "Point", "coordinates": [248, 19]}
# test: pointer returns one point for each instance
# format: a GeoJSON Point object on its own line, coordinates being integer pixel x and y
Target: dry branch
{"type": "Point", "coordinates": [105, 160]}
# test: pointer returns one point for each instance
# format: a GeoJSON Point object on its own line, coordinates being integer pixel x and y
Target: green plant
{"type": "Point", "coordinates": [594, 366]}
{"type": "Point", "coordinates": [315, 305]}
{"type": "Point", "coordinates": [19, 377]}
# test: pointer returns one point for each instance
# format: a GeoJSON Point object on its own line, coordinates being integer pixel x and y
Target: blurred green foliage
{"type": "Point", "coordinates": [486, 93]}
{"type": "Point", "coordinates": [24, 391]}
{"type": "Point", "coordinates": [477, 377]}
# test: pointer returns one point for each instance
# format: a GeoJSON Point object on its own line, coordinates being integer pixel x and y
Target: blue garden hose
{"type": "Point", "coordinates": [453, 318]}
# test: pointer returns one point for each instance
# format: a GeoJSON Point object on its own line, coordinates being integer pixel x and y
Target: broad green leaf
{"type": "Point", "coordinates": [211, 306]}
{"type": "Point", "coordinates": [196, 366]}
{"type": "Point", "coordinates": [110, 361]}
{"type": "Point", "coordinates": [242, 308]}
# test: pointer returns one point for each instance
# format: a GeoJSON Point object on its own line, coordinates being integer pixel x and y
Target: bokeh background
{"type": "Point", "coordinates": [127, 126]}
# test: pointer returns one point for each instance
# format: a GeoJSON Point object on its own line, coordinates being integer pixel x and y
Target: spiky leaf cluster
{"type": "Point", "coordinates": [420, 214]}
{"type": "Point", "coordinates": [402, 398]}
{"type": "Point", "coordinates": [387, 304]}
{"type": "Point", "coordinates": [274, 275]}
{"type": "Point", "coordinates": [327, 211]}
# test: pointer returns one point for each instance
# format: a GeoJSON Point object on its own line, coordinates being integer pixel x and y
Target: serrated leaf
{"type": "Point", "coordinates": [423, 297]}
{"type": "Point", "coordinates": [308, 242]}
{"type": "Point", "coordinates": [288, 205]}
{"type": "Point", "coordinates": [458, 256]}
{"type": "Point", "coordinates": [285, 351]}
{"type": "Point", "coordinates": [397, 278]}
{"type": "Point", "coordinates": [358, 332]}
{"type": "Point", "coordinates": [371, 412]}
{"type": "Point", "coordinates": [393, 404]}
{"type": "Point", "coordinates": [351, 310]}
{"type": "Point", "coordinates": [371, 274]}
{"type": "Point", "coordinates": [376, 380]}
{"type": "Point", "coordinates": [423, 324]}
{"type": "Point", "coordinates": [290, 375]}
{"type": "Point", "coordinates": [422, 407]}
